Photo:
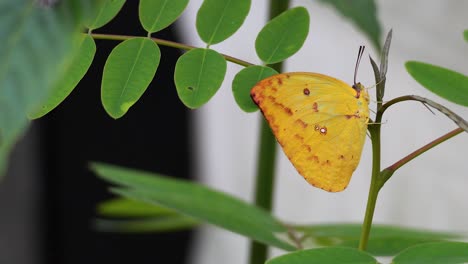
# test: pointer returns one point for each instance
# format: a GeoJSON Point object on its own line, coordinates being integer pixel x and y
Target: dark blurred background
{"type": "Point", "coordinates": [48, 198]}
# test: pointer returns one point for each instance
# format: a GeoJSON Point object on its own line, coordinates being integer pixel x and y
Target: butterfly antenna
{"type": "Point", "coordinates": [358, 60]}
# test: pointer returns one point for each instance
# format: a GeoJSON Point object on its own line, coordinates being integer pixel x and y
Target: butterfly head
{"type": "Point", "coordinates": [361, 91]}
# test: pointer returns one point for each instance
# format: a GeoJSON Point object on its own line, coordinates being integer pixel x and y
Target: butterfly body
{"type": "Point", "coordinates": [319, 121]}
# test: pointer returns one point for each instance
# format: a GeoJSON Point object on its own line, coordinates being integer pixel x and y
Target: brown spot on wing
{"type": "Point", "coordinates": [314, 158]}
{"type": "Point", "coordinates": [301, 123]}
{"type": "Point", "coordinates": [315, 107]}
{"type": "Point", "coordinates": [299, 137]}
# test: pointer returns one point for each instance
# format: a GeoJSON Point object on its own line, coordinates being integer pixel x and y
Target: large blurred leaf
{"type": "Point", "coordinates": [330, 255]}
{"type": "Point", "coordinates": [363, 13]}
{"type": "Point", "coordinates": [198, 75]}
{"type": "Point", "coordinates": [121, 207]}
{"type": "Point", "coordinates": [196, 201]}
{"type": "Point", "coordinates": [218, 20]}
{"type": "Point", "coordinates": [465, 35]}
{"type": "Point", "coordinates": [283, 36]}
{"type": "Point", "coordinates": [128, 72]}
{"type": "Point", "coordinates": [446, 83]}
{"type": "Point", "coordinates": [434, 253]}
{"type": "Point", "coordinates": [147, 225]}
{"type": "Point", "coordinates": [131, 216]}
{"type": "Point", "coordinates": [384, 240]}
{"type": "Point", "coordinates": [244, 81]}
{"type": "Point", "coordinates": [107, 11]}
{"type": "Point", "coordinates": [74, 72]}
{"type": "Point", "coordinates": [37, 42]}
{"type": "Point", "coordinates": [158, 14]}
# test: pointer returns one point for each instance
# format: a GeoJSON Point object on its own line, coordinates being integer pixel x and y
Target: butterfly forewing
{"type": "Point", "coordinates": [319, 121]}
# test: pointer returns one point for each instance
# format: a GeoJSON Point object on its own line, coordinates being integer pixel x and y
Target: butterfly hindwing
{"type": "Point", "coordinates": [319, 121]}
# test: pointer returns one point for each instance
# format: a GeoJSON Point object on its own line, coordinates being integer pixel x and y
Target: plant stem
{"type": "Point", "coordinates": [380, 177]}
{"type": "Point", "coordinates": [264, 184]}
{"type": "Point", "coordinates": [266, 158]}
{"type": "Point", "coordinates": [374, 186]}
{"type": "Point", "coordinates": [167, 43]}
{"type": "Point", "coordinates": [424, 148]}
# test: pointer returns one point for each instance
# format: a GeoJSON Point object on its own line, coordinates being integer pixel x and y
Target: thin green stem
{"type": "Point", "coordinates": [425, 148]}
{"type": "Point", "coordinates": [380, 177]}
{"type": "Point", "coordinates": [167, 43]}
{"type": "Point", "coordinates": [266, 158]}
{"type": "Point", "coordinates": [374, 186]}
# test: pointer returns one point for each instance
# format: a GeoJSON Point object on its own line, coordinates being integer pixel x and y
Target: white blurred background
{"type": "Point", "coordinates": [430, 192]}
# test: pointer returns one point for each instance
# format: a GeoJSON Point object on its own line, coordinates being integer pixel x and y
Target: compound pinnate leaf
{"type": "Point", "coordinates": [158, 14]}
{"type": "Point", "coordinates": [446, 83]}
{"type": "Point", "coordinates": [218, 20]}
{"type": "Point", "coordinates": [198, 75]}
{"type": "Point", "coordinates": [196, 201]}
{"type": "Point", "coordinates": [128, 72]}
{"type": "Point", "coordinates": [74, 72]}
{"type": "Point", "coordinates": [243, 83]}
{"type": "Point", "coordinates": [328, 255]}
{"type": "Point", "coordinates": [283, 36]}
{"type": "Point", "coordinates": [107, 11]}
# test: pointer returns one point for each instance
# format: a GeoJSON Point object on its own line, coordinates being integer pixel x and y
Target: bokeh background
{"type": "Point", "coordinates": [48, 198]}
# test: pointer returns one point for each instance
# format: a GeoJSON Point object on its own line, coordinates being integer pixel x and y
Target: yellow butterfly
{"type": "Point", "coordinates": [319, 121]}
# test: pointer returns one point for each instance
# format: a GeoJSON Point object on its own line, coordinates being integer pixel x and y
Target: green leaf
{"type": "Point", "coordinates": [152, 225]}
{"type": "Point", "coordinates": [197, 201]}
{"type": "Point", "coordinates": [283, 36]}
{"type": "Point", "coordinates": [363, 13]}
{"type": "Point", "coordinates": [74, 72]}
{"type": "Point", "coordinates": [244, 81]}
{"type": "Point", "coordinates": [121, 207]}
{"type": "Point", "coordinates": [36, 43]}
{"type": "Point", "coordinates": [330, 255]}
{"type": "Point", "coordinates": [434, 253]}
{"type": "Point", "coordinates": [107, 11]}
{"type": "Point", "coordinates": [384, 240]}
{"type": "Point", "coordinates": [218, 20]}
{"type": "Point", "coordinates": [128, 72]}
{"type": "Point", "coordinates": [158, 14]}
{"type": "Point", "coordinates": [446, 83]}
{"type": "Point", "coordinates": [198, 75]}
{"type": "Point", "coordinates": [465, 35]}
